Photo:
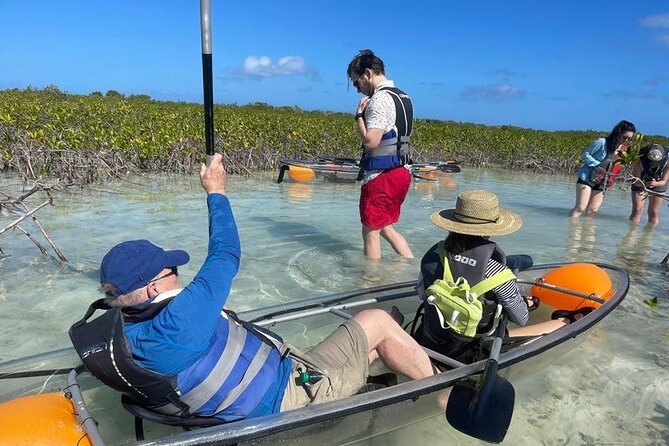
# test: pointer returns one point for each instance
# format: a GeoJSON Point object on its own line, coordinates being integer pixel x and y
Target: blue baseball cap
{"type": "Point", "coordinates": [131, 265]}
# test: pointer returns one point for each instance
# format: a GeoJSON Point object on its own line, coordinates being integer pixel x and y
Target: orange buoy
{"type": "Point", "coordinates": [47, 420]}
{"type": "Point", "coordinates": [301, 174]}
{"type": "Point", "coordinates": [584, 278]}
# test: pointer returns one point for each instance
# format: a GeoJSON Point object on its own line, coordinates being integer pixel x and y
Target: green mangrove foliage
{"type": "Point", "coordinates": [83, 138]}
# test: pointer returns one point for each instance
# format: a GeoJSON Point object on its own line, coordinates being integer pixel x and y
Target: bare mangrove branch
{"type": "Point", "coordinates": [18, 206]}
{"type": "Point", "coordinates": [23, 217]}
{"type": "Point", "coordinates": [631, 179]}
{"type": "Point", "coordinates": [27, 234]}
{"type": "Point", "coordinates": [58, 252]}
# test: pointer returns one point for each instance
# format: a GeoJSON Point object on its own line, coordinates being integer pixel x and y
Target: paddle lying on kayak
{"type": "Point", "coordinates": [519, 262]}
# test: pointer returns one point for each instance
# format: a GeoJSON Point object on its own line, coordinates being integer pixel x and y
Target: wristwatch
{"type": "Point", "coordinates": [359, 115]}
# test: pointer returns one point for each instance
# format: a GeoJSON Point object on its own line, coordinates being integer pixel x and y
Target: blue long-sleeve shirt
{"type": "Point", "coordinates": [183, 331]}
{"type": "Point", "coordinates": [592, 157]}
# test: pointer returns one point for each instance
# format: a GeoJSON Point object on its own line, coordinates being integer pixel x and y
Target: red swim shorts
{"type": "Point", "coordinates": [382, 198]}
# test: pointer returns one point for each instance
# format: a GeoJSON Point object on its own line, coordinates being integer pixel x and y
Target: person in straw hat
{"type": "Point", "coordinates": [470, 254]}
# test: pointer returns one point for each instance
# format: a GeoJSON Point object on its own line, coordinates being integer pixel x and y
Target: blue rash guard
{"type": "Point", "coordinates": [592, 157]}
{"type": "Point", "coordinates": [163, 345]}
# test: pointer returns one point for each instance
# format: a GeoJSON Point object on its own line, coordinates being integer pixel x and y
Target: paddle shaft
{"type": "Point", "coordinates": [490, 372]}
{"type": "Point", "coordinates": [593, 296]}
{"type": "Point", "coordinates": [34, 373]}
{"type": "Point", "coordinates": [207, 78]}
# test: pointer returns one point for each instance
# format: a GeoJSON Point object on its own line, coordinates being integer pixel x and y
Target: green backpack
{"type": "Point", "coordinates": [457, 302]}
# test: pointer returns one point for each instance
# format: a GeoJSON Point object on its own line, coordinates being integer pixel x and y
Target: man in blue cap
{"type": "Point", "coordinates": [215, 364]}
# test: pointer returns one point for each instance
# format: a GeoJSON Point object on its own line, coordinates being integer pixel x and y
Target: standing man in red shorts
{"type": "Point", "coordinates": [384, 118]}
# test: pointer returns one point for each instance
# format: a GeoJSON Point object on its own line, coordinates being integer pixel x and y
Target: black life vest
{"type": "Point", "coordinates": [471, 265]}
{"type": "Point", "coordinates": [105, 352]}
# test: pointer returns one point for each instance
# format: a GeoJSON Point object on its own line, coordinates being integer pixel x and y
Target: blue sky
{"type": "Point", "coordinates": [544, 65]}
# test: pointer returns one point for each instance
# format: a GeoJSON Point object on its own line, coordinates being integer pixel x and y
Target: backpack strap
{"type": "Point", "coordinates": [493, 281]}
{"type": "Point", "coordinates": [447, 269]}
{"type": "Point", "coordinates": [478, 290]}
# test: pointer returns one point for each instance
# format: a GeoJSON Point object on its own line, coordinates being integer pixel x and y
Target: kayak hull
{"type": "Point", "coordinates": [347, 170]}
{"type": "Point", "coordinates": [340, 422]}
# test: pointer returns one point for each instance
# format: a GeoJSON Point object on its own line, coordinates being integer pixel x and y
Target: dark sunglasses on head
{"type": "Point", "coordinates": [173, 272]}
{"type": "Point", "coordinates": [357, 81]}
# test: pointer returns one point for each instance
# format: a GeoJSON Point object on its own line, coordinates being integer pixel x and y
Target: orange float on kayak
{"type": "Point", "coordinates": [582, 277]}
{"type": "Point", "coordinates": [301, 174]}
{"type": "Point", "coordinates": [46, 420]}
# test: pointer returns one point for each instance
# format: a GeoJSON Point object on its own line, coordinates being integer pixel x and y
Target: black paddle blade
{"type": "Point", "coordinates": [519, 262]}
{"type": "Point", "coordinates": [487, 419]}
{"type": "Point", "coordinates": [450, 168]}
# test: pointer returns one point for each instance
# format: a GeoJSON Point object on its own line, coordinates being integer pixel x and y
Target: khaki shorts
{"type": "Point", "coordinates": [342, 357]}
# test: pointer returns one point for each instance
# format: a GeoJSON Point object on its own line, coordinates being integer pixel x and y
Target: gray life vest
{"type": "Point", "coordinates": [394, 150]}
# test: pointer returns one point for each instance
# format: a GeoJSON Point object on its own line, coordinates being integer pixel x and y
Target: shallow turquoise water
{"type": "Point", "coordinates": [301, 240]}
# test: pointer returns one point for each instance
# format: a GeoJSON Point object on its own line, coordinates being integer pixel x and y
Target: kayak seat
{"type": "Point", "coordinates": [141, 413]}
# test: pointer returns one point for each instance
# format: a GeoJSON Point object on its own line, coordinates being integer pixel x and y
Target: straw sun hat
{"type": "Point", "coordinates": [477, 212]}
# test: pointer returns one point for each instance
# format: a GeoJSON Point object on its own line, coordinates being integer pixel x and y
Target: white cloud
{"type": "Point", "coordinates": [263, 66]}
{"type": "Point", "coordinates": [656, 21]}
{"type": "Point", "coordinates": [493, 93]}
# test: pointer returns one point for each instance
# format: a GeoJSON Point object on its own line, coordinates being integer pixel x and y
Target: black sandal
{"type": "Point", "coordinates": [535, 303]}
{"type": "Point", "coordinates": [571, 315]}
{"type": "Point", "coordinates": [397, 315]}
